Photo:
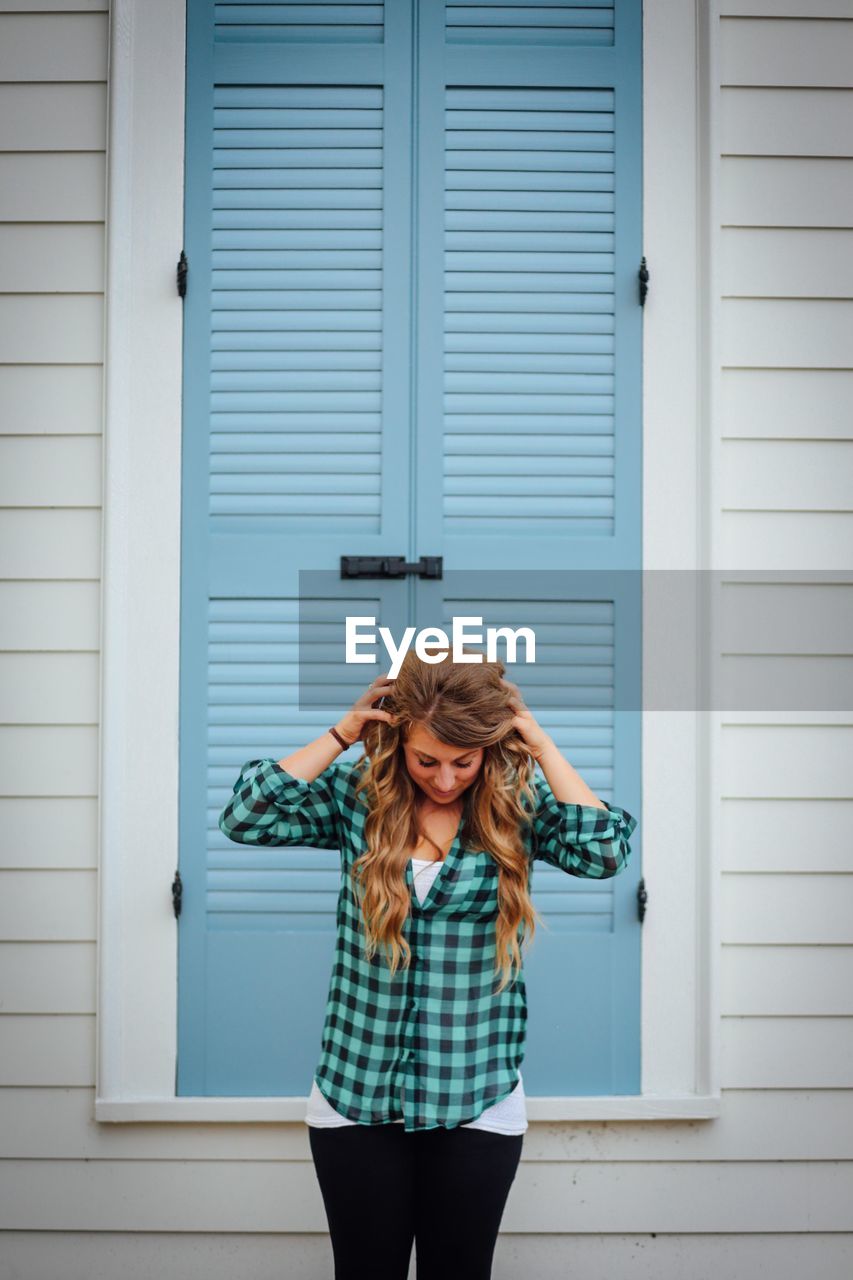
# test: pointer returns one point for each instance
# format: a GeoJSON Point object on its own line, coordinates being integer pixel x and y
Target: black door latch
{"type": "Point", "coordinates": [390, 567]}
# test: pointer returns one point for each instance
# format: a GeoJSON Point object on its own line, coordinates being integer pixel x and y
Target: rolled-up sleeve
{"type": "Point", "coordinates": [580, 839]}
{"type": "Point", "coordinates": [269, 806]}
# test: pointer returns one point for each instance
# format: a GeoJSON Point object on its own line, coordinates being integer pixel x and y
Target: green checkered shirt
{"type": "Point", "coordinates": [433, 1046]}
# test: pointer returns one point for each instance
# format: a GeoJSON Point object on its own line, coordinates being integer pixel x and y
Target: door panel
{"type": "Point", "coordinates": [411, 328]}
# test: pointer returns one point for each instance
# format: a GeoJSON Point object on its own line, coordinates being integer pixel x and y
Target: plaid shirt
{"type": "Point", "coordinates": [433, 1046]}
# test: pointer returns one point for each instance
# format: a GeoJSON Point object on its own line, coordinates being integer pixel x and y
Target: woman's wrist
{"type": "Point", "coordinates": [566, 784]}
{"type": "Point", "coordinates": [548, 747]}
{"type": "Point", "coordinates": [347, 730]}
{"type": "Point", "coordinates": [311, 760]}
{"type": "Point", "coordinates": [340, 737]}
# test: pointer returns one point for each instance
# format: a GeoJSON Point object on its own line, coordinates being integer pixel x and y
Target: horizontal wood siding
{"type": "Point", "coordinates": [783, 442]}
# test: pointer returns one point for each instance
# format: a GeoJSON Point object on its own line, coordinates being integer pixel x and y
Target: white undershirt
{"type": "Point", "coordinates": [507, 1116]}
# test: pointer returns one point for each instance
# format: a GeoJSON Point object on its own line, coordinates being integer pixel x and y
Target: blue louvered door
{"type": "Point", "coordinates": [529, 442]}
{"type": "Point", "coordinates": [411, 328]}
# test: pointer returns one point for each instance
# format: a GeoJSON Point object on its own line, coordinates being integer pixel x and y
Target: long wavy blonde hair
{"type": "Point", "coordinates": [462, 705]}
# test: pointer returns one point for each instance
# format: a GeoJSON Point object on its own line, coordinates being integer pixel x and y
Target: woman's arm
{"type": "Point", "coordinates": [564, 780]}
{"type": "Point", "coordinates": [581, 839]}
{"type": "Point", "coordinates": [572, 828]}
{"type": "Point", "coordinates": [312, 759]}
{"type": "Point", "coordinates": [269, 805]}
{"type": "Point", "coordinates": [292, 800]}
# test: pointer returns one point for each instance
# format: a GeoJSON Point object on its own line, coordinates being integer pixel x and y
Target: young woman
{"type": "Point", "coordinates": [417, 1114]}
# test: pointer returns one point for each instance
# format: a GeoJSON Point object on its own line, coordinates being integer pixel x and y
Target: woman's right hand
{"type": "Point", "coordinates": [351, 725]}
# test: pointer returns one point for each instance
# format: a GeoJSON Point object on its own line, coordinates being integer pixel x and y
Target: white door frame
{"type": "Point", "coordinates": [138, 830]}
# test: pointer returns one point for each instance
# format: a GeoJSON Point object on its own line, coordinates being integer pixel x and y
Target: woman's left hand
{"type": "Point", "coordinates": [531, 731]}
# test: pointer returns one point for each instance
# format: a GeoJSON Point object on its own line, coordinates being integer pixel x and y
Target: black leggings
{"type": "Point", "coordinates": [443, 1188]}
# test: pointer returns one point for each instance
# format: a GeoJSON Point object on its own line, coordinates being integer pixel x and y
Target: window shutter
{"type": "Point", "coordinates": [411, 328]}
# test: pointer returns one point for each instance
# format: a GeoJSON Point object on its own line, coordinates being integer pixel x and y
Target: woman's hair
{"type": "Point", "coordinates": [464, 705]}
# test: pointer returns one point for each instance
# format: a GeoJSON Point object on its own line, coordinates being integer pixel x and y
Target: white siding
{"type": "Point", "coordinates": [782, 445]}
{"type": "Point", "coordinates": [764, 1190]}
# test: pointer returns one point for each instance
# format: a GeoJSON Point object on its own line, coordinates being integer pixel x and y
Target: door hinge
{"type": "Point", "coordinates": [177, 893]}
{"type": "Point", "coordinates": [642, 899]}
{"type": "Point", "coordinates": [183, 267]}
{"type": "Point", "coordinates": [644, 281]}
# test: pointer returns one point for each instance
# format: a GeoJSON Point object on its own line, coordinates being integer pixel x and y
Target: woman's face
{"type": "Point", "coordinates": [441, 771]}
